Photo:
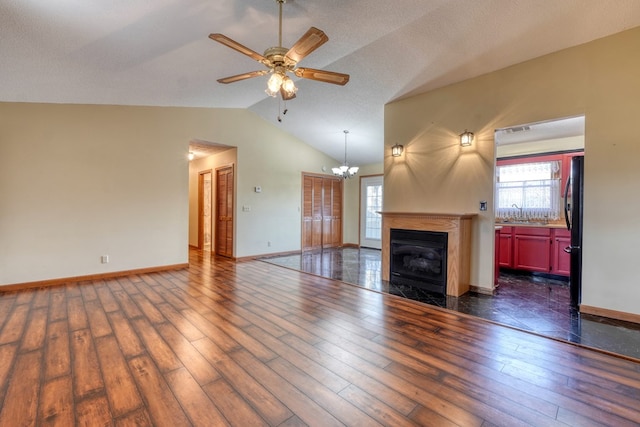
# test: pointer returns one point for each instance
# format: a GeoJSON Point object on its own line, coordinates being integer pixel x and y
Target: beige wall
{"type": "Point", "coordinates": [571, 143]}
{"type": "Point", "coordinates": [599, 80]}
{"type": "Point", "coordinates": [81, 181]}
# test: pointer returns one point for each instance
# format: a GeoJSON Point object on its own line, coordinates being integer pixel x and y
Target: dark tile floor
{"type": "Point", "coordinates": [535, 304]}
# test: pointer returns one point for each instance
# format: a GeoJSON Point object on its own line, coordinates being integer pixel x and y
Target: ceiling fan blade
{"type": "Point", "coordinates": [322, 76]}
{"type": "Point", "coordinates": [243, 76]}
{"type": "Point", "coordinates": [286, 95]}
{"type": "Point", "coordinates": [310, 41]}
{"type": "Point", "coordinates": [221, 38]}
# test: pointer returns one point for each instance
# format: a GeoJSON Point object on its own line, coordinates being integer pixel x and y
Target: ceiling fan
{"type": "Point", "coordinates": [280, 61]}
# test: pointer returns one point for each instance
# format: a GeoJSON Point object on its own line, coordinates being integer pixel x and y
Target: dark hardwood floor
{"type": "Point", "coordinates": [251, 343]}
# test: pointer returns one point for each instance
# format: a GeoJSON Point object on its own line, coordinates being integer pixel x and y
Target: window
{"type": "Point", "coordinates": [528, 191]}
{"type": "Point", "coordinates": [373, 220]}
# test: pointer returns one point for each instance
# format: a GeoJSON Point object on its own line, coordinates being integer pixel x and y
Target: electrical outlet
{"type": "Point", "coordinates": [104, 259]}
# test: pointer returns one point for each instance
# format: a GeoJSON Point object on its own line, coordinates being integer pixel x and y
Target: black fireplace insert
{"type": "Point", "coordinates": [419, 258]}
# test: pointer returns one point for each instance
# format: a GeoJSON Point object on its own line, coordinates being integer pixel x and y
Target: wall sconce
{"type": "Point", "coordinates": [191, 155]}
{"type": "Point", "coordinates": [396, 150]}
{"type": "Point", "coordinates": [466, 138]}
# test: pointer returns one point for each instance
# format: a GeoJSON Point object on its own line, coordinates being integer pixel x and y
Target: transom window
{"type": "Point", "coordinates": [528, 191]}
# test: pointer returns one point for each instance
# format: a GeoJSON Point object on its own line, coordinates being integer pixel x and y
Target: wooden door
{"type": "Point", "coordinates": [205, 222]}
{"type": "Point", "coordinates": [321, 212]}
{"type": "Point", "coordinates": [224, 211]}
{"type": "Point", "coordinates": [312, 213]}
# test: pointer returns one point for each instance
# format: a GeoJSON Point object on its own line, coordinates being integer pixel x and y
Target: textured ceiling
{"type": "Point", "coordinates": [141, 52]}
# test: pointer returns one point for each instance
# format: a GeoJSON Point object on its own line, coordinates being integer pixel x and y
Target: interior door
{"type": "Point", "coordinates": [224, 211]}
{"type": "Point", "coordinates": [205, 222]}
{"type": "Point", "coordinates": [370, 205]}
{"type": "Point", "coordinates": [321, 212]}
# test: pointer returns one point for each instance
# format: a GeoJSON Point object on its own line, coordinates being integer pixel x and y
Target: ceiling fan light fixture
{"type": "Point", "coordinates": [274, 83]}
{"type": "Point", "coordinates": [281, 60]}
{"type": "Point", "coordinates": [288, 86]}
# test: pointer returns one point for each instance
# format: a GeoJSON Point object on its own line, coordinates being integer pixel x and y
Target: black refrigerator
{"type": "Point", "coordinates": [573, 197]}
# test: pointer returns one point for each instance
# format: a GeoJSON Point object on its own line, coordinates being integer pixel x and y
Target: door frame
{"type": "Point", "coordinates": [201, 175]}
{"type": "Point", "coordinates": [361, 211]}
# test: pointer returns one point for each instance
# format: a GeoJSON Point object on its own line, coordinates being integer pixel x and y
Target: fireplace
{"type": "Point", "coordinates": [419, 258]}
{"type": "Point", "coordinates": [457, 227]}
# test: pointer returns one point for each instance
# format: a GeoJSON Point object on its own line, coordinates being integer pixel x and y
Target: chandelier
{"type": "Point", "coordinates": [345, 171]}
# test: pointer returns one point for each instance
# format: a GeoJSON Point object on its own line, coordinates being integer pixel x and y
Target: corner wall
{"type": "Point", "coordinates": [597, 79]}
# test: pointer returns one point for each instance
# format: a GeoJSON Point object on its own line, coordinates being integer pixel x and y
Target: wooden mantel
{"type": "Point", "coordinates": [458, 229]}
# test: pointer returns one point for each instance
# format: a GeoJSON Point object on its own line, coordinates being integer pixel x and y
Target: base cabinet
{"type": "Point", "coordinates": [535, 249]}
{"type": "Point", "coordinates": [505, 257]}
{"type": "Point", "coordinates": [561, 260]}
{"type": "Point", "coordinates": [532, 249]}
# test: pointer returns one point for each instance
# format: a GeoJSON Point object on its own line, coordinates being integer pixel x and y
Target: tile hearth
{"type": "Point", "coordinates": [535, 304]}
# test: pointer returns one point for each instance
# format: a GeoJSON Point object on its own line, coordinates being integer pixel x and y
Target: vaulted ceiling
{"type": "Point", "coordinates": [158, 53]}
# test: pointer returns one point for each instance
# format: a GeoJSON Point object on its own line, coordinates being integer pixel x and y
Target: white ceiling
{"type": "Point", "coordinates": [141, 52]}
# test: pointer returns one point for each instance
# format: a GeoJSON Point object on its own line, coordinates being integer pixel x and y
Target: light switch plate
{"type": "Point", "coordinates": [483, 205]}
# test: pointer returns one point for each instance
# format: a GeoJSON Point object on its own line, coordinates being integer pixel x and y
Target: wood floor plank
{"type": "Point", "coordinates": [15, 324]}
{"type": "Point", "coordinates": [7, 358]}
{"type": "Point", "coordinates": [197, 405]}
{"type": "Point", "coordinates": [162, 405]}
{"type": "Point", "coordinates": [186, 328]}
{"type": "Point", "coordinates": [190, 357]}
{"type": "Point", "coordinates": [57, 360]}
{"type": "Point", "coordinates": [120, 388]}
{"type": "Point", "coordinates": [139, 418]}
{"type": "Point", "coordinates": [87, 376]}
{"type": "Point", "coordinates": [251, 343]}
{"type": "Point", "coordinates": [56, 408]}
{"type": "Point", "coordinates": [77, 314]}
{"type": "Point", "coordinates": [93, 411]}
{"type": "Point", "coordinates": [106, 298]}
{"type": "Point", "coordinates": [98, 322]}
{"type": "Point", "coordinates": [158, 349]}
{"type": "Point", "coordinates": [127, 338]}
{"type": "Point", "coordinates": [58, 307]}
{"type": "Point", "coordinates": [16, 409]}
{"type": "Point", "coordinates": [232, 406]}
{"type": "Point", "coordinates": [36, 330]}
{"type": "Point", "coordinates": [148, 309]}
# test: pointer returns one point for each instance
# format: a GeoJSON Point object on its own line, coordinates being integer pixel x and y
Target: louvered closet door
{"type": "Point", "coordinates": [224, 211]}
{"type": "Point", "coordinates": [322, 212]}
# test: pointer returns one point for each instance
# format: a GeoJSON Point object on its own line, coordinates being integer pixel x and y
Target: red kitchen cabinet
{"type": "Point", "coordinates": [560, 260]}
{"type": "Point", "coordinates": [535, 249]}
{"type": "Point", "coordinates": [532, 249]}
{"type": "Point", "coordinates": [505, 257]}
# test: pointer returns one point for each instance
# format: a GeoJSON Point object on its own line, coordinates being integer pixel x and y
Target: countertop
{"type": "Point", "coordinates": [531, 224]}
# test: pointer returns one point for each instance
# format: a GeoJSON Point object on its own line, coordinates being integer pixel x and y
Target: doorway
{"type": "Point", "coordinates": [533, 163]}
{"type": "Point", "coordinates": [205, 210]}
{"type": "Point", "coordinates": [370, 206]}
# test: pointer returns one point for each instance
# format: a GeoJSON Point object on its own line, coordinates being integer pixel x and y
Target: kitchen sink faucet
{"type": "Point", "coordinates": [519, 208]}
